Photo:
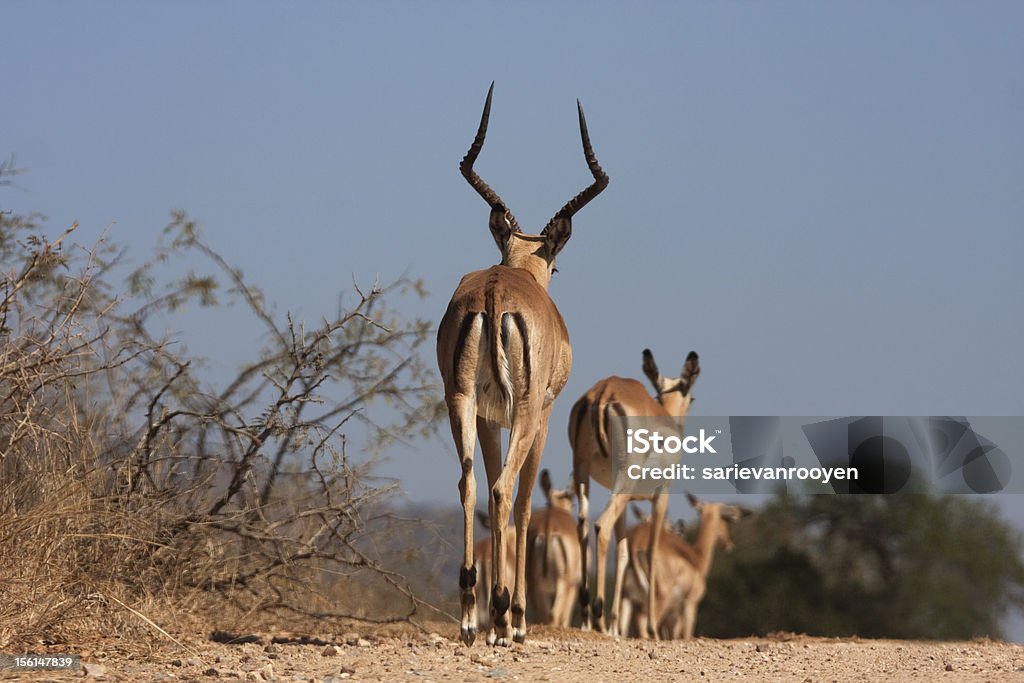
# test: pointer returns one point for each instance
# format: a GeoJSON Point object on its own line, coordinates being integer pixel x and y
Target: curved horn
{"type": "Point", "coordinates": [600, 177]}
{"type": "Point", "coordinates": [484, 190]}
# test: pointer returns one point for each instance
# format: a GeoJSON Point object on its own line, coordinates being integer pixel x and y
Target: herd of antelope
{"type": "Point", "coordinates": [504, 355]}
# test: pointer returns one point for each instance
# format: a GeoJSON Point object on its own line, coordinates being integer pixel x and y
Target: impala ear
{"type": "Point", "coordinates": [502, 227]}
{"type": "Point", "coordinates": [556, 234]}
{"type": "Point", "coordinates": [691, 369]}
{"type": "Point", "coordinates": [484, 519]}
{"type": "Point", "coordinates": [694, 500]}
{"type": "Point", "coordinates": [637, 512]}
{"type": "Point", "coordinates": [650, 369]}
{"type": "Point", "coordinates": [545, 482]}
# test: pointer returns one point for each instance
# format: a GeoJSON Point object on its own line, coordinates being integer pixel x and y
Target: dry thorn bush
{"type": "Point", "coordinates": [133, 494]}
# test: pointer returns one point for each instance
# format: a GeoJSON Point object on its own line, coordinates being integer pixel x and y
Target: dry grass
{"type": "Point", "coordinates": [133, 495]}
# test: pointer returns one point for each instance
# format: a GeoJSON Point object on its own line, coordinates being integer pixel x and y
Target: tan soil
{"type": "Point", "coordinates": [552, 655]}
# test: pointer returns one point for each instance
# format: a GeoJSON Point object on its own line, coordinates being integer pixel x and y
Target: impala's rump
{"type": "Point", "coordinates": [492, 327]}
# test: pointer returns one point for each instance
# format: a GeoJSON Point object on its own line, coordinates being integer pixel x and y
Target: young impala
{"type": "Point", "coordinates": [683, 567]}
{"type": "Point", "coordinates": [552, 559]}
{"type": "Point", "coordinates": [503, 351]}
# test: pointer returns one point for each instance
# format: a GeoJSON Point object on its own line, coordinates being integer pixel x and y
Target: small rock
{"type": "Point", "coordinates": [92, 670]}
{"type": "Point", "coordinates": [351, 638]}
{"type": "Point", "coordinates": [652, 654]}
{"type": "Point", "coordinates": [213, 673]}
{"type": "Point", "coordinates": [176, 662]}
{"type": "Point", "coordinates": [194, 661]}
{"type": "Point", "coordinates": [271, 647]}
{"type": "Point", "coordinates": [329, 651]}
{"type": "Point", "coordinates": [459, 652]}
{"type": "Point", "coordinates": [760, 648]}
{"type": "Point", "coordinates": [949, 666]}
{"type": "Point", "coordinates": [362, 642]}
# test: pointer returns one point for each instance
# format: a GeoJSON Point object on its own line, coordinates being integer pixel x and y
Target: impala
{"type": "Point", "coordinates": [589, 427]}
{"type": "Point", "coordinates": [504, 355]}
{"type": "Point", "coordinates": [553, 563]}
{"type": "Point", "coordinates": [684, 568]}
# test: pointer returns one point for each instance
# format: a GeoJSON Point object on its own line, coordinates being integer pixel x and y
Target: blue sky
{"type": "Point", "coordinates": [823, 199]}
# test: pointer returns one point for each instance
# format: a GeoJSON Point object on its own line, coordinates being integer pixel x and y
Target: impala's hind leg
{"type": "Point", "coordinates": [462, 415]}
{"type": "Point", "coordinates": [520, 444]}
{"type": "Point", "coordinates": [621, 562]}
{"type": "Point", "coordinates": [603, 530]}
{"type": "Point", "coordinates": [660, 504]}
{"type": "Point", "coordinates": [527, 478]}
{"type": "Point", "coordinates": [490, 444]}
{"type": "Point", "coordinates": [581, 477]}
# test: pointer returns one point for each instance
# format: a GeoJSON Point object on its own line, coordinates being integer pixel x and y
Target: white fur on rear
{"type": "Point", "coordinates": [495, 395]}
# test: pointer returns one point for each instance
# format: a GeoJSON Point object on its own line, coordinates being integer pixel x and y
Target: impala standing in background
{"type": "Point", "coordinates": [553, 563]}
{"type": "Point", "coordinates": [683, 569]}
{"type": "Point", "coordinates": [504, 356]}
{"type": "Point", "coordinates": [589, 425]}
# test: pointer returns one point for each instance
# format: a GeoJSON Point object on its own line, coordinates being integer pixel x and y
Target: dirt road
{"type": "Point", "coordinates": [553, 655]}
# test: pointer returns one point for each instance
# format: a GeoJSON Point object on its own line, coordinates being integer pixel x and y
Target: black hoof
{"type": "Point", "coordinates": [468, 635]}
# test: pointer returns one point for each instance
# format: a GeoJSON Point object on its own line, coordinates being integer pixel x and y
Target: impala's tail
{"type": "Point", "coordinates": [601, 420]}
{"type": "Point", "coordinates": [497, 337]}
